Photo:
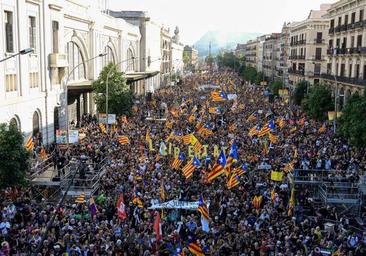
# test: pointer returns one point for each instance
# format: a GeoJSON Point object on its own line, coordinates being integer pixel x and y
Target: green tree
{"type": "Point", "coordinates": [250, 74]}
{"type": "Point", "coordinates": [185, 58]}
{"type": "Point", "coordinates": [352, 124]}
{"type": "Point", "coordinates": [120, 97]}
{"type": "Point", "coordinates": [318, 102]}
{"type": "Point", "coordinates": [275, 86]}
{"type": "Point", "coordinates": [259, 78]}
{"type": "Point", "coordinates": [300, 92]}
{"type": "Point", "coordinates": [209, 60]}
{"type": "Point", "coordinates": [14, 159]}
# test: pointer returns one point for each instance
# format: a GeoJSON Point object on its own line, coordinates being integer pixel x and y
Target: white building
{"type": "Point", "coordinates": [177, 54]}
{"type": "Point", "coordinates": [65, 34]}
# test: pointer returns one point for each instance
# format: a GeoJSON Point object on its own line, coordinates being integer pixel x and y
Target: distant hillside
{"type": "Point", "coordinates": [220, 40]}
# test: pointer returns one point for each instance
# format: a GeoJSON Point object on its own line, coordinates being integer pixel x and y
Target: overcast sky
{"type": "Point", "coordinates": [195, 17]}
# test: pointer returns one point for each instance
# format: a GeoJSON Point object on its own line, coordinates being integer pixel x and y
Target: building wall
{"type": "Point", "coordinates": [177, 58]}
{"type": "Point", "coordinates": [346, 48]}
{"type": "Point", "coordinates": [307, 52]}
{"type": "Point", "coordinates": [33, 84]}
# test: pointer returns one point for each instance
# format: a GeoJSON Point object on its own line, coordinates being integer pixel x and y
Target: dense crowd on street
{"type": "Point", "coordinates": [255, 217]}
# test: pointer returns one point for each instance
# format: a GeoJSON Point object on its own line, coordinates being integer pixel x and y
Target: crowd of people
{"type": "Point", "coordinates": [255, 217]}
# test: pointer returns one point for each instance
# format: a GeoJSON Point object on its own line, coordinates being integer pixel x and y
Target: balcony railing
{"type": "Point", "coordinates": [331, 31]}
{"type": "Point", "coordinates": [318, 41]}
{"type": "Point", "coordinates": [343, 51]}
{"type": "Point", "coordinates": [343, 79]}
{"type": "Point", "coordinates": [296, 72]}
{"type": "Point", "coordinates": [343, 27]}
{"type": "Point", "coordinates": [337, 29]}
{"type": "Point", "coordinates": [317, 58]}
{"type": "Point", "coordinates": [297, 57]}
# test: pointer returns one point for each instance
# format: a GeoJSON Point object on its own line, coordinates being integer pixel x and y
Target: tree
{"type": "Point", "coordinates": [275, 86]}
{"type": "Point", "coordinates": [14, 159]}
{"type": "Point", "coordinates": [300, 92]}
{"type": "Point", "coordinates": [352, 124]}
{"type": "Point", "coordinates": [120, 97]}
{"type": "Point", "coordinates": [209, 60]}
{"type": "Point", "coordinates": [318, 102]}
{"type": "Point", "coordinates": [250, 74]}
{"type": "Point", "coordinates": [259, 78]}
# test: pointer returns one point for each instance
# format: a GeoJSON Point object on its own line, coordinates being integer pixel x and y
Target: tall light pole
{"type": "Point", "coordinates": [107, 87]}
{"type": "Point", "coordinates": [67, 91]}
{"type": "Point", "coordinates": [22, 52]}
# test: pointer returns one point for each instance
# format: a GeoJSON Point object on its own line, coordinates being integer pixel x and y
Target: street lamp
{"type": "Point", "coordinates": [22, 52]}
{"type": "Point", "coordinates": [67, 91]}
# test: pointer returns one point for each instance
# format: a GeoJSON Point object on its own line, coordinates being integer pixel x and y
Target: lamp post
{"type": "Point", "coordinates": [67, 91]}
{"type": "Point", "coordinates": [22, 52]}
{"type": "Point", "coordinates": [107, 88]}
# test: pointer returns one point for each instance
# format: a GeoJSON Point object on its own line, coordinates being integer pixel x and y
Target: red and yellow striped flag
{"type": "Point", "coordinates": [29, 145]}
{"type": "Point", "coordinates": [123, 140]}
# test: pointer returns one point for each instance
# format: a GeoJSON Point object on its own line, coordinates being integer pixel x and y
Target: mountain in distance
{"type": "Point", "coordinates": [221, 40]}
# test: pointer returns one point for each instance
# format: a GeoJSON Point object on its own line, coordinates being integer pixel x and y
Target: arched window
{"type": "Point", "coordinates": [15, 122]}
{"type": "Point", "coordinates": [131, 61]}
{"type": "Point", "coordinates": [36, 123]}
{"type": "Point", "coordinates": [109, 57]}
{"type": "Point", "coordinates": [75, 59]}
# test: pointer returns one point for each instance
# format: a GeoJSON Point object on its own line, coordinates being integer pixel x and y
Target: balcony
{"type": "Point", "coordinates": [296, 72]}
{"type": "Point", "coordinates": [359, 24]}
{"type": "Point", "coordinates": [337, 29]}
{"type": "Point", "coordinates": [317, 58]}
{"type": "Point", "coordinates": [331, 31]}
{"type": "Point", "coordinates": [343, 27]}
{"type": "Point", "coordinates": [58, 60]}
{"type": "Point", "coordinates": [351, 26]}
{"type": "Point", "coordinates": [343, 79]}
{"type": "Point", "coordinates": [318, 41]}
{"type": "Point", "coordinates": [301, 42]}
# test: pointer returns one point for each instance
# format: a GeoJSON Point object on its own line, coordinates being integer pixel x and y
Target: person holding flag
{"type": "Point", "coordinates": [219, 167]}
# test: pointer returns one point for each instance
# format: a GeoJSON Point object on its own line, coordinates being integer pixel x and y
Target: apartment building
{"type": "Point", "coordinates": [307, 59]}
{"type": "Point", "coordinates": [346, 48]}
{"type": "Point", "coordinates": [271, 52]}
{"type": "Point", "coordinates": [251, 53]}
{"type": "Point", "coordinates": [192, 57]}
{"type": "Point", "coordinates": [281, 55]}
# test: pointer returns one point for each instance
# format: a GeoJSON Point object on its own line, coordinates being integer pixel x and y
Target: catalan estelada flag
{"type": "Point", "coordinates": [233, 155]}
{"type": "Point", "coordinates": [162, 192]}
{"type": "Point", "coordinates": [281, 122]}
{"type": "Point", "coordinates": [218, 96]}
{"type": "Point", "coordinates": [205, 217]}
{"type": "Point", "coordinates": [187, 139]}
{"type": "Point", "coordinates": [197, 147]}
{"type": "Point", "coordinates": [257, 201]}
{"type": "Point", "coordinates": [267, 129]}
{"type": "Point", "coordinates": [190, 167]}
{"type": "Point", "coordinates": [102, 128]}
{"type": "Point", "coordinates": [219, 167]}
{"type": "Point", "coordinates": [289, 167]}
{"type": "Point", "coordinates": [214, 110]}
{"type": "Point", "coordinates": [29, 145]}
{"type": "Point", "coordinates": [233, 181]}
{"type": "Point", "coordinates": [252, 117]}
{"type": "Point", "coordinates": [206, 130]}
{"type": "Point", "coordinates": [291, 203]}
{"type": "Point", "coordinates": [195, 249]}
{"type": "Point", "coordinates": [177, 162]}
{"type": "Point", "coordinates": [254, 130]}
{"type": "Point", "coordinates": [123, 140]}
{"type": "Point", "coordinates": [80, 199]}
{"type": "Point", "coordinates": [272, 138]}
{"type": "Point", "coordinates": [137, 200]}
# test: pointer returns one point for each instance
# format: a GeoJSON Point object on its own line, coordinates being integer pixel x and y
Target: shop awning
{"type": "Point", "coordinates": [137, 76]}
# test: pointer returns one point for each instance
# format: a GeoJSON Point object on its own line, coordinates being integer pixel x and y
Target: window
{"type": "Point", "coordinates": [55, 29]}
{"type": "Point", "coordinates": [339, 21]}
{"type": "Point", "coordinates": [350, 70]}
{"type": "Point", "coordinates": [32, 32]}
{"type": "Point", "coordinates": [131, 61]}
{"type": "Point", "coordinates": [344, 44]}
{"type": "Point", "coordinates": [109, 58]}
{"type": "Point", "coordinates": [332, 23]}
{"type": "Point", "coordinates": [75, 60]}
{"type": "Point", "coordinates": [33, 80]}
{"type": "Point", "coordinates": [329, 68]}
{"type": "Point", "coordinates": [352, 42]}
{"type": "Point", "coordinates": [353, 18]}
{"type": "Point", "coordinates": [317, 68]}
{"type": "Point", "coordinates": [346, 20]}
{"type": "Point", "coordinates": [343, 68]}
{"type": "Point", "coordinates": [357, 75]}
{"type": "Point", "coordinates": [10, 83]}
{"type": "Point", "coordinates": [361, 15]}
{"type": "Point", "coordinates": [9, 36]}
{"type": "Point", "coordinates": [319, 35]}
{"type": "Point", "coordinates": [364, 72]}
{"type": "Point", "coordinates": [318, 53]}
{"type": "Point", "coordinates": [359, 40]}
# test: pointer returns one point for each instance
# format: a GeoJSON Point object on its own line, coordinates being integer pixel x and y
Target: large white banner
{"type": "Point", "coordinates": [176, 204]}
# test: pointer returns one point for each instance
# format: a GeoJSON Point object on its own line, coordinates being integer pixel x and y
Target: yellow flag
{"type": "Point", "coordinates": [276, 176]}
{"type": "Point", "coordinates": [193, 140]}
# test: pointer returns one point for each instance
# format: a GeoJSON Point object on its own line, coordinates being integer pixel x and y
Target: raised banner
{"type": "Point", "coordinates": [111, 118]}
{"type": "Point", "coordinates": [176, 204]}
